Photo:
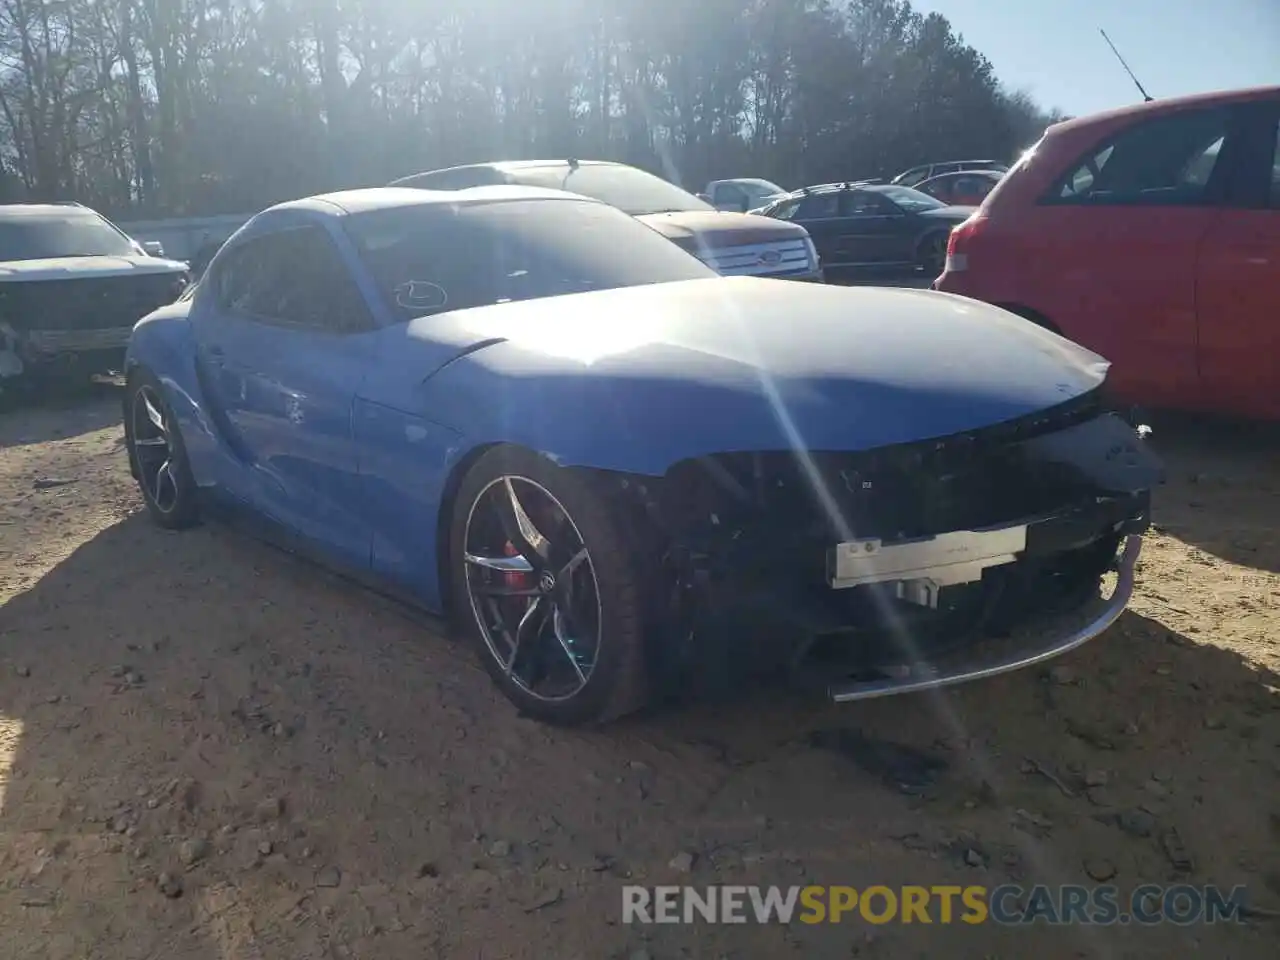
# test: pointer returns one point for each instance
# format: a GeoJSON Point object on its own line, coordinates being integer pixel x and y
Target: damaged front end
{"type": "Point", "coordinates": [75, 324]}
{"type": "Point", "coordinates": [908, 567]}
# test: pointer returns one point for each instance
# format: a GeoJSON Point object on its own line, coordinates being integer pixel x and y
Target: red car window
{"type": "Point", "coordinates": [1167, 160]}
{"type": "Point", "coordinates": [942, 189]}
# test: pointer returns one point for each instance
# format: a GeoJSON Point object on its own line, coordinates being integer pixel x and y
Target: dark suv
{"type": "Point", "coordinates": [72, 285]}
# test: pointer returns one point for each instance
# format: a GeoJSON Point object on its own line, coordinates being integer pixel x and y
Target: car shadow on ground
{"type": "Point", "coordinates": [214, 751]}
{"type": "Point", "coordinates": [70, 410]}
{"type": "Point", "coordinates": [1223, 488]}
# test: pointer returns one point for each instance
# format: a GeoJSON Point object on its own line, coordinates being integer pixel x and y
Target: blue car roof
{"type": "Point", "coordinates": [345, 202]}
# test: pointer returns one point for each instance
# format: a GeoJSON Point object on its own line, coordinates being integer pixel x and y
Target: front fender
{"type": "Point", "coordinates": [164, 343]}
{"type": "Point", "coordinates": [159, 342]}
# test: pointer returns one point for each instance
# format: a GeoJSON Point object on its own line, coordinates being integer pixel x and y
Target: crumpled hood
{"type": "Point", "coordinates": [67, 268]}
{"type": "Point", "coordinates": [640, 378]}
{"type": "Point", "coordinates": [720, 229]}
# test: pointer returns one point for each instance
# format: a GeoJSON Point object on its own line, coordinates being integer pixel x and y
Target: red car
{"type": "Point", "coordinates": [967, 188]}
{"type": "Point", "coordinates": [1151, 235]}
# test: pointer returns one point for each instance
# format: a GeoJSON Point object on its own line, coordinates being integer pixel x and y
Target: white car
{"type": "Point", "coordinates": [742, 195]}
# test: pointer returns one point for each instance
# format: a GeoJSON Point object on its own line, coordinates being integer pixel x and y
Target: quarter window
{"type": "Point", "coordinates": [1169, 161]}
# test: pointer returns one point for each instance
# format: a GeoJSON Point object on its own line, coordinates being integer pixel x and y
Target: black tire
{"type": "Point", "coordinates": [931, 252]}
{"type": "Point", "coordinates": [173, 503]}
{"type": "Point", "coordinates": [616, 682]}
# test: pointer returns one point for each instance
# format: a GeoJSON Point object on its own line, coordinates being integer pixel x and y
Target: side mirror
{"type": "Point", "coordinates": [153, 248]}
{"type": "Point", "coordinates": [703, 197]}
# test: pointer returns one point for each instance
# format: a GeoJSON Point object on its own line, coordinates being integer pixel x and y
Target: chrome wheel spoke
{"type": "Point", "coordinates": [520, 530]}
{"type": "Point", "coordinates": [527, 631]}
{"type": "Point", "coordinates": [154, 415]}
{"type": "Point", "coordinates": [566, 571]}
{"type": "Point", "coordinates": [501, 564]}
{"type": "Point", "coordinates": [566, 645]}
{"type": "Point", "coordinates": [165, 485]}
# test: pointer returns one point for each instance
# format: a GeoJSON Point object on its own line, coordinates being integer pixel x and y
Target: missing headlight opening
{"type": "Point", "coordinates": [950, 543]}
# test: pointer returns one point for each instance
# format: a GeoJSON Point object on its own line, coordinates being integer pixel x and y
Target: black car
{"type": "Point", "coordinates": [865, 226]}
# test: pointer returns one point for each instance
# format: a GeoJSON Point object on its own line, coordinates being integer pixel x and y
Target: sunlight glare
{"type": "Point", "coordinates": [10, 736]}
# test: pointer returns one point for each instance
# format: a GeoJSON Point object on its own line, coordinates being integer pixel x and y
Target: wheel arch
{"type": "Point", "coordinates": [444, 521]}
{"type": "Point", "coordinates": [158, 342]}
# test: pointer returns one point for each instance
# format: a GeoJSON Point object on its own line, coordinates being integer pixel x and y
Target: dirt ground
{"type": "Point", "coordinates": [211, 751]}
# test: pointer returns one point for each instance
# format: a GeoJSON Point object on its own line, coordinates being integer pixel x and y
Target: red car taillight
{"type": "Point", "coordinates": [960, 242]}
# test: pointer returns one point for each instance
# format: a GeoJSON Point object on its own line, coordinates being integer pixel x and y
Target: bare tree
{"type": "Point", "coordinates": [173, 107]}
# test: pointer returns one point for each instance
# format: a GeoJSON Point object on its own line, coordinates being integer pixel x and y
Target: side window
{"type": "Point", "coordinates": [864, 203]}
{"type": "Point", "coordinates": [1167, 161]}
{"type": "Point", "coordinates": [819, 206]}
{"type": "Point", "coordinates": [941, 190]}
{"type": "Point", "coordinates": [727, 193]}
{"type": "Point", "coordinates": [315, 288]}
{"type": "Point", "coordinates": [239, 277]}
{"type": "Point", "coordinates": [293, 277]}
{"type": "Point", "coordinates": [1275, 172]}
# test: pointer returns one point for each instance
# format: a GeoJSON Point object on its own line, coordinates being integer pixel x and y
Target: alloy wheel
{"type": "Point", "coordinates": [934, 259]}
{"type": "Point", "coordinates": [532, 587]}
{"type": "Point", "coordinates": [154, 450]}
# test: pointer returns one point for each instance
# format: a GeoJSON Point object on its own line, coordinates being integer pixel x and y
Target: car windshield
{"type": "Point", "coordinates": [759, 189]}
{"type": "Point", "coordinates": [629, 189]}
{"type": "Point", "coordinates": [433, 257]}
{"type": "Point", "coordinates": [909, 199]}
{"type": "Point", "coordinates": [39, 237]}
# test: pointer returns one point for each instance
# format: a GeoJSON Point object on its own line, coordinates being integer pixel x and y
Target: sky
{"type": "Point", "coordinates": [1052, 48]}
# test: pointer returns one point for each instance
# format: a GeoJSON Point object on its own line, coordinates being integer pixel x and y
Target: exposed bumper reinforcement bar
{"type": "Point", "coordinates": [917, 679]}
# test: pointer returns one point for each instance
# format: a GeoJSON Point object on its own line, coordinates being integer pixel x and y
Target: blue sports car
{"type": "Point", "coordinates": [617, 470]}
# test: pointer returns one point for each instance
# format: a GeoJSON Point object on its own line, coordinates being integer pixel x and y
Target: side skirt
{"type": "Point", "coordinates": [254, 526]}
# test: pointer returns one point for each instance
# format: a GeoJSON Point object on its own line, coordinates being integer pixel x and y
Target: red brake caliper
{"type": "Point", "coordinates": [514, 579]}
